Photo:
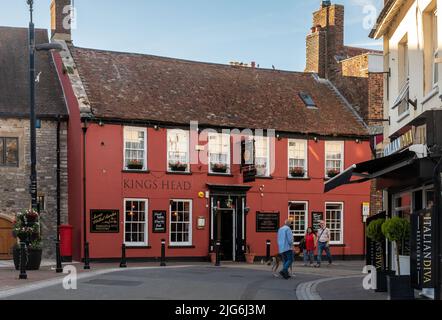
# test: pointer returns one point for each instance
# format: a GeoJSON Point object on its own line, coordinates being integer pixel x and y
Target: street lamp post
{"type": "Point", "coordinates": [33, 119]}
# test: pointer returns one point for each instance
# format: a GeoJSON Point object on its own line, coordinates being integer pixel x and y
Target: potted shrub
{"type": "Point", "coordinates": [135, 165]}
{"type": "Point", "coordinates": [399, 286]}
{"type": "Point", "coordinates": [178, 166]}
{"type": "Point", "coordinates": [374, 232]}
{"type": "Point", "coordinates": [26, 228]}
{"type": "Point", "coordinates": [297, 172]}
{"type": "Point", "coordinates": [331, 173]}
{"type": "Point", "coordinates": [219, 167]}
{"type": "Point", "coordinates": [250, 257]}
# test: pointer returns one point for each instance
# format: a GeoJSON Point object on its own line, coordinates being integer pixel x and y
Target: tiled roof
{"type": "Point", "coordinates": [125, 86]}
{"type": "Point", "coordinates": [14, 76]}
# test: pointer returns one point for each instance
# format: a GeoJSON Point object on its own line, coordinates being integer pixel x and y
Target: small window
{"type": "Point", "coordinates": [180, 222]}
{"type": "Point", "coordinates": [334, 158]}
{"type": "Point", "coordinates": [8, 152]}
{"type": "Point", "coordinates": [297, 151]}
{"type": "Point", "coordinates": [307, 99]}
{"type": "Point", "coordinates": [135, 222]}
{"type": "Point", "coordinates": [135, 148]}
{"type": "Point", "coordinates": [219, 153]}
{"type": "Point", "coordinates": [334, 222]}
{"type": "Point", "coordinates": [262, 156]}
{"type": "Point", "coordinates": [298, 216]}
{"type": "Point", "coordinates": [178, 151]}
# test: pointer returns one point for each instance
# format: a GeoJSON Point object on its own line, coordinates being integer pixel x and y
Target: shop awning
{"type": "Point", "coordinates": [372, 169]}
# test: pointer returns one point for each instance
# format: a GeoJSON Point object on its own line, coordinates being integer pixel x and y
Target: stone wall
{"type": "Point", "coordinates": [14, 182]}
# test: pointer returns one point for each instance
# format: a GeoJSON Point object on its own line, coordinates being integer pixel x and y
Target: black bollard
{"type": "Point", "coordinates": [123, 263]}
{"type": "Point", "coordinates": [268, 250]}
{"type": "Point", "coordinates": [217, 247]}
{"type": "Point", "coordinates": [86, 256]}
{"type": "Point", "coordinates": [163, 253]}
{"type": "Point", "coordinates": [23, 262]}
{"type": "Point", "coordinates": [59, 267]}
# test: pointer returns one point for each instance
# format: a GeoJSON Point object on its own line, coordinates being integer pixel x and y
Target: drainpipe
{"type": "Point", "coordinates": [84, 187]}
{"type": "Point", "coordinates": [58, 180]}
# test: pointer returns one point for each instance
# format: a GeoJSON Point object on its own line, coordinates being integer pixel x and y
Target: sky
{"type": "Point", "coordinates": [270, 32]}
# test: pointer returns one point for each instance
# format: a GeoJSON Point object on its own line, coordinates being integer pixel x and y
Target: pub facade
{"type": "Point", "coordinates": [191, 153]}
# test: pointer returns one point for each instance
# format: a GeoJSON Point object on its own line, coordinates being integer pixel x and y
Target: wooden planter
{"type": "Point", "coordinates": [34, 258]}
{"type": "Point", "coordinates": [219, 169]}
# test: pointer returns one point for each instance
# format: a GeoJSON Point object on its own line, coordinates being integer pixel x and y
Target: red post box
{"type": "Point", "coordinates": [66, 243]}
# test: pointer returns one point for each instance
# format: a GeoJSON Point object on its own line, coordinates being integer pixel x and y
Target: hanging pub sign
{"type": "Point", "coordinates": [267, 221]}
{"type": "Point", "coordinates": [423, 259]}
{"type": "Point", "coordinates": [105, 221]}
{"type": "Point", "coordinates": [376, 255]}
{"type": "Point", "coordinates": [316, 218]}
{"type": "Point", "coordinates": [159, 221]}
{"type": "Point", "coordinates": [248, 167]}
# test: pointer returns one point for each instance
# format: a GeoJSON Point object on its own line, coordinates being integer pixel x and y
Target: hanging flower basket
{"type": "Point", "coordinates": [178, 166]}
{"type": "Point", "coordinates": [219, 168]}
{"type": "Point", "coordinates": [297, 172]}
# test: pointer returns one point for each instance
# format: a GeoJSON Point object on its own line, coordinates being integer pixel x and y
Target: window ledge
{"type": "Point", "coordinates": [220, 175]}
{"type": "Point", "coordinates": [179, 173]}
{"type": "Point", "coordinates": [262, 177]}
{"type": "Point", "coordinates": [135, 171]}
{"type": "Point", "coordinates": [181, 247]}
{"type": "Point", "coordinates": [138, 247]}
{"type": "Point", "coordinates": [298, 178]}
{"type": "Point", "coordinates": [430, 95]}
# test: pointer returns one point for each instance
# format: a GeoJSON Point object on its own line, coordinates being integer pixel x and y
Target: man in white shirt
{"type": "Point", "coordinates": [323, 243]}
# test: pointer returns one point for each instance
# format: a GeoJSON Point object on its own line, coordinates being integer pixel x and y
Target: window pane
{"type": "Point", "coordinates": [11, 151]}
{"type": "Point", "coordinates": [179, 225]}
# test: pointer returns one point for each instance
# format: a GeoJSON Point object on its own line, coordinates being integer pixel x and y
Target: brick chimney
{"type": "Point", "coordinates": [326, 39]}
{"type": "Point", "coordinates": [60, 20]}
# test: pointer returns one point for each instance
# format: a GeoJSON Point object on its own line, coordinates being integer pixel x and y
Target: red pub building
{"type": "Point", "coordinates": [139, 173]}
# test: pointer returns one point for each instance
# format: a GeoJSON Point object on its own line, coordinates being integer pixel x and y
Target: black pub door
{"type": "Point", "coordinates": [226, 233]}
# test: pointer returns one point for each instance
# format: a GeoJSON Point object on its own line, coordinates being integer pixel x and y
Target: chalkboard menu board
{"type": "Point", "coordinates": [105, 221]}
{"type": "Point", "coordinates": [316, 218]}
{"type": "Point", "coordinates": [267, 222]}
{"type": "Point", "coordinates": [159, 221]}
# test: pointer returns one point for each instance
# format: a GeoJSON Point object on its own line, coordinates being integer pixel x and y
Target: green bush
{"type": "Point", "coordinates": [397, 230]}
{"type": "Point", "coordinates": [374, 230]}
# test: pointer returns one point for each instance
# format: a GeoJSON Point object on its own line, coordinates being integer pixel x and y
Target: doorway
{"type": "Point", "coordinates": [6, 239]}
{"type": "Point", "coordinates": [226, 233]}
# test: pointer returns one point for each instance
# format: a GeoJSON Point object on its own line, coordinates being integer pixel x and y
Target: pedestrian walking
{"type": "Point", "coordinates": [285, 246]}
{"type": "Point", "coordinates": [309, 246]}
{"type": "Point", "coordinates": [323, 243]}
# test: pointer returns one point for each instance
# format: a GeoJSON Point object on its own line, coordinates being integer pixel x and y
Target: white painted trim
{"type": "Point", "coordinates": [342, 221]}
{"type": "Point", "coordinates": [188, 148]}
{"type": "Point", "coordinates": [221, 136]}
{"type": "Point", "coordinates": [306, 215]}
{"type": "Point", "coordinates": [305, 155]}
{"type": "Point", "coordinates": [146, 218]}
{"type": "Point", "coordinates": [180, 244]}
{"type": "Point", "coordinates": [137, 129]}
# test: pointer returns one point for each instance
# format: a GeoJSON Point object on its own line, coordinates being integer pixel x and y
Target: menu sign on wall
{"type": "Point", "coordinates": [159, 221]}
{"type": "Point", "coordinates": [316, 218]}
{"type": "Point", "coordinates": [267, 222]}
{"type": "Point", "coordinates": [105, 221]}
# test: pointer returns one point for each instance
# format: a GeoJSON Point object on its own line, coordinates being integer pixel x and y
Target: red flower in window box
{"type": "Point", "coordinates": [178, 166]}
{"type": "Point", "coordinates": [297, 172]}
{"type": "Point", "coordinates": [135, 165]}
{"type": "Point", "coordinates": [331, 173]}
{"type": "Point", "coordinates": [219, 167]}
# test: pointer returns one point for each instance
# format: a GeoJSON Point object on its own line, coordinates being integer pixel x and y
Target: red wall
{"type": "Point", "coordinates": [105, 185]}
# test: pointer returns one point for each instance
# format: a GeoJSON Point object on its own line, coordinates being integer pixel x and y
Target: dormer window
{"type": "Point", "coordinates": [308, 100]}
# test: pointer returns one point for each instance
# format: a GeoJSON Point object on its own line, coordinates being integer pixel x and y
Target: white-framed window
{"type": "Point", "coordinates": [180, 222]}
{"type": "Point", "coordinates": [298, 215]}
{"type": "Point", "coordinates": [178, 151]}
{"type": "Point", "coordinates": [334, 158]}
{"type": "Point", "coordinates": [297, 154]}
{"type": "Point", "coordinates": [135, 222]}
{"type": "Point", "coordinates": [135, 148]}
{"type": "Point", "coordinates": [262, 156]}
{"type": "Point", "coordinates": [334, 220]}
{"type": "Point", "coordinates": [219, 153]}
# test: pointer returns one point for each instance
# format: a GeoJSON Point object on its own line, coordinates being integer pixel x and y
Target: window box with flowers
{"type": "Point", "coordinates": [219, 167]}
{"type": "Point", "coordinates": [331, 173]}
{"type": "Point", "coordinates": [26, 228]}
{"type": "Point", "coordinates": [297, 172]}
{"type": "Point", "coordinates": [178, 166]}
{"type": "Point", "coordinates": [135, 165]}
